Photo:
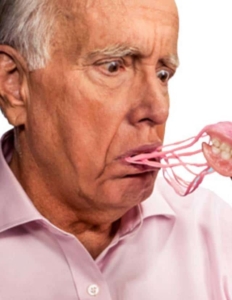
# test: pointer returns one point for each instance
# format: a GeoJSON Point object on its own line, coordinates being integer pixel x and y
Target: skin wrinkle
{"type": "Point", "coordinates": [122, 51]}
{"type": "Point", "coordinates": [69, 156]}
{"type": "Point", "coordinates": [112, 139]}
{"type": "Point", "coordinates": [114, 51]}
{"type": "Point", "coordinates": [69, 18]}
{"type": "Point", "coordinates": [107, 151]}
{"type": "Point", "coordinates": [87, 119]}
{"type": "Point", "coordinates": [113, 6]}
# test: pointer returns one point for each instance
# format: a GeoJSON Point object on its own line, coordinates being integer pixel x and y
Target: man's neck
{"type": "Point", "coordinates": [95, 237]}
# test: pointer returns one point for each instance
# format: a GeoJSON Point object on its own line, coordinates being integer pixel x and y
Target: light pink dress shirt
{"type": "Point", "coordinates": [168, 248]}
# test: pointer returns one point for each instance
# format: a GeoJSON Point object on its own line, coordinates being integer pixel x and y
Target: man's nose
{"type": "Point", "coordinates": [151, 103]}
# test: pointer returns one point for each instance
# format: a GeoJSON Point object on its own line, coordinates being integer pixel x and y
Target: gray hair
{"type": "Point", "coordinates": [27, 26]}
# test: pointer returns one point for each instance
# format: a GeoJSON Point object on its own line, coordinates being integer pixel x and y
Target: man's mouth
{"type": "Point", "coordinates": [129, 156]}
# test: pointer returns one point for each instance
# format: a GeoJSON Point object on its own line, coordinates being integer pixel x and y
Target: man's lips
{"type": "Point", "coordinates": [149, 148]}
{"type": "Point", "coordinates": [129, 169]}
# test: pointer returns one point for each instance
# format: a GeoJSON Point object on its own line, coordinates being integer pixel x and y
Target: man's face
{"type": "Point", "coordinates": [103, 94]}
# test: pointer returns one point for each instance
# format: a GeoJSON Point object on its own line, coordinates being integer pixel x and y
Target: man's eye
{"type": "Point", "coordinates": [164, 75]}
{"type": "Point", "coordinates": [111, 67]}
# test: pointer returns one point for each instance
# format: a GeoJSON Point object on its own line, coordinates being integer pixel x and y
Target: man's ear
{"type": "Point", "coordinates": [13, 85]}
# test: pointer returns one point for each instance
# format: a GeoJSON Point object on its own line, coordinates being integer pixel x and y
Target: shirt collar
{"type": "Point", "coordinates": [155, 205]}
{"type": "Point", "coordinates": [16, 208]}
{"type": "Point", "coordinates": [158, 203]}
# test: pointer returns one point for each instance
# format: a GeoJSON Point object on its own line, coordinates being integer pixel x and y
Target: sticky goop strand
{"type": "Point", "coordinates": [183, 163]}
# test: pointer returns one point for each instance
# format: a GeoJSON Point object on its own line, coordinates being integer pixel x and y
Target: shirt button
{"type": "Point", "coordinates": [93, 290]}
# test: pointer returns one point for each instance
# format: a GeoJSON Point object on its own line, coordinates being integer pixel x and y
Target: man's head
{"type": "Point", "coordinates": [100, 93]}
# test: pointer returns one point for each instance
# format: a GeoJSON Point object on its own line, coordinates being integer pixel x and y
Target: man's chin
{"type": "Point", "coordinates": [136, 188]}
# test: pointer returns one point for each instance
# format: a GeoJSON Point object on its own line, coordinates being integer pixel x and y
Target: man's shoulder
{"type": "Point", "coordinates": [202, 201]}
{"type": "Point", "coordinates": [199, 226]}
{"type": "Point", "coordinates": [202, 210]}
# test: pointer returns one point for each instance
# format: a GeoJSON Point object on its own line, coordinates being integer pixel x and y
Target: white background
{"type": "Point", "coordinates": [201, 91]}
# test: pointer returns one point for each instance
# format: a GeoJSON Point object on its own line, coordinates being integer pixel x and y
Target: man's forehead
{"type": "Point", "coordinates": [84, 5]}
{"type": "Point", "coordinates": [120, 3]}
{"type": "Point", "coordinates": [82, 9]}
{"type": "Point", "coordinates": [99, 28]}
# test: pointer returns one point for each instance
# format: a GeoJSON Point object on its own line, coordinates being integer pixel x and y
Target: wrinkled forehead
{"type": "Point", "coordinates": [129, 8]}
{"type": "Point", "coordinates": [120, 4]}
{"type": "Point", "coordinates": [119, 21]}
{"type": "Point", "coordinates": [86, 7]}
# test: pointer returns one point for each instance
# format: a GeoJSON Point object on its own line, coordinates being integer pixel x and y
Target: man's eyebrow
{"type": "Point", "coordinates": [123, 50]}
{"type": "Point", "coordinates": [114, 51]}
{"type": "Point", "coordinates": [172, 60]}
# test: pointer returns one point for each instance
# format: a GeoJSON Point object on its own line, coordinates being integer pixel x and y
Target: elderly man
{"type": "Point", "coordinates": [85, 84]}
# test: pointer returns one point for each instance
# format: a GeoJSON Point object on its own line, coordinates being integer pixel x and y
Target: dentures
{"type": "Point", "coordinates": [185, 164]}
{"type": "Point", "coordinates": [219, 153]}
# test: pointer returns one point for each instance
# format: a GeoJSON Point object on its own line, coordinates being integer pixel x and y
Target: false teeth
{"type": "Point", "coordinates": [221, 148]}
